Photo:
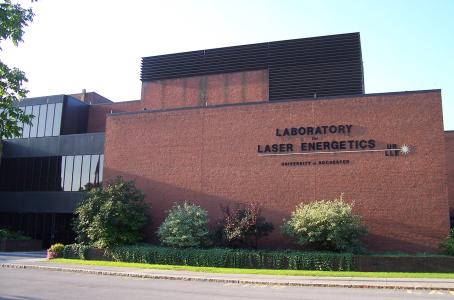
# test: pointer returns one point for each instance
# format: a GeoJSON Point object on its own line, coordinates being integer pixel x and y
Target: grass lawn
{"type": "Point", "coordinates": [255, 271]}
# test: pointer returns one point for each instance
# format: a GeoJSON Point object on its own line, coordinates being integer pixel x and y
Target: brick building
{"type": "Point", "coordinates": [277, 123]}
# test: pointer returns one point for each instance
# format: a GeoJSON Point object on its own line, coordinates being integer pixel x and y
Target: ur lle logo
{"type": "Point", "coordinates": [394, 150]}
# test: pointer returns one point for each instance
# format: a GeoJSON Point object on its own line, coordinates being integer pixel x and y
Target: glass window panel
{"type": "Point", "coordinates": [2, 175]}
{"type": "Point", "coordinates": [22, 171]}
{"type": "Point", "coordinates": [8, 170]}
{"type": "Point", "coordinates": [42, 120]}
{"type": "Point", "coordinates": [34, 127]}
{"type": "Point", "coordinates": [45, 174]}
{"type": "Point", "coordinates": [62, 176]}
{"type": "Point", "coordinates": [101, 167]}
{"type": "Point", "coordinates": [49, 119]}
{"type": "Point", "coordinates": [76, 172]}
{"type": "Point", "coordinates": [28, 176]}
{"type": "Point", "coordinates": [54, 173]}
{"type": "Point", "coordinates": [26, 130]}
{"type": "Point", "coordinates": [85, 177]}
{"type": "Point", "coordinates": [57, 119]}
{"type": "Point", "coordinates": [94, 169]}
{"type": "Point", "coordinates": [68, 173]}
{"type": "Point", "coordinates": [20, 124]}
{"type": "Point", "coordinates": [36, 173]}
{"type": "Point", "coordinates": [4, 169]}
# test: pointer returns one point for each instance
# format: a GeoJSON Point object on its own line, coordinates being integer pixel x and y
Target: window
{"type": "Point", "coordinates": [54, 173]}
{"type": "Point", "coordinates": [452, 218]}
{"type": "Point", "coordinates": [77, 170]}
{"type": "Point", "coordinates": [26, 129]}
{"type": "Point", "coordinates": [50, 119]}
{"type": "Point", "coordinates": [85, 175]}
{"type": "Point", "coordinates": [34, 126]}
{"type": "Point", "coordinates": [94, 169]}
{"type": "Point", "coordinates": [46, 120]}
{"type": "Point", "coordinates": [42, 120]}
{"type": "Point", "coordinates": [57, 119]}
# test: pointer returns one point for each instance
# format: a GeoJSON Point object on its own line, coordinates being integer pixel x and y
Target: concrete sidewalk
{"type": "Point", "coordinates": [350, 282]}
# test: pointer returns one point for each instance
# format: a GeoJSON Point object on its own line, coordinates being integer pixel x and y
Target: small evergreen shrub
{"type": "Point", "coordinates": [233, 258]}
{"type": "Point", "coordinates": [448, 244]}
{"type": "Point", "coordinates": [184, 226]}
{"type": "Point", "coordinates": [111, 215]}
{"type": "Point", "coordinates": [326, 226]}
{"type": "Point", "coordinates": [243, 226]}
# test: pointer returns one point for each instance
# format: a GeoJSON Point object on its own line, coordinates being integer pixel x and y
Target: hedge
{"type": "Point", "coordinates": [76, 251]}
{"type": "Point", "coordinates": [233, 258]}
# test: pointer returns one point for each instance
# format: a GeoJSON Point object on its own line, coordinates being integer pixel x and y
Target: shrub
{"type": "Point", "coordinates": [111, 215]}
{"type": "Point", "coordinates": [326, 225]}
{"type": "Point", "coordinates": [184, 226]}
{"type": "Point", "coordinates": [448, 243]}
{"type": "Point", "coordinates": [56, 250]}
{"type": "Point", "coordinates": [243, 226]}
{"type": "Point", "coordinates": [75, 251]}
{"type": "Point", "coordinates": [234, 258]}
{"type": "Point", "coordinates": [6, 234]}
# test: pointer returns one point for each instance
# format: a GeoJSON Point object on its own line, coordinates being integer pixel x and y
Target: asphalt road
{"type": "Point", "coordinates": [41, 284]}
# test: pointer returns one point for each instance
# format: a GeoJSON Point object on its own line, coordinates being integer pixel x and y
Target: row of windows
{"type": "Point", "coordinates": [79, 170]}
{"type": "Point", "coordinates": [56, 173]}
{"type": "Point", "coordinates": [46, 120]}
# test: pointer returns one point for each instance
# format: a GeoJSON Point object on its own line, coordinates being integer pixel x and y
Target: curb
{"type": "Point", "coordinates": [220, 280]}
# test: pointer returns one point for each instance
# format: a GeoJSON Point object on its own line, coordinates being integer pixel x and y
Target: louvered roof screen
{"type": "Point", "coordinates": [300, 68]}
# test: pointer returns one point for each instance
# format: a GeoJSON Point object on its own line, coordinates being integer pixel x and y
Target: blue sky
{"type": "Point", "coordinates": [97, 45]}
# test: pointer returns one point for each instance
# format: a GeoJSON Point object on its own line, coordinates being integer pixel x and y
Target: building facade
{"type": "Point", "coordinates": [276, 123]}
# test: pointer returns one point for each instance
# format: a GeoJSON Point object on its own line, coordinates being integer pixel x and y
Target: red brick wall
{"type": "Point", "coordinates": [449, 139]}
{"type": "Point", "coordinates": [209, 156]}
{"type": "Point", "coordinates": [91, 98]}
{"type": "Point", "coordinates": [250, 86]}
{"type": "Point", "coordinates": [97, 113]}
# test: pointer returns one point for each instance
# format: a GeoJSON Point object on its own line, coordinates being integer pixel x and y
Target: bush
{"type": "Point", "coordinates": [111, 215]}
{"type": "Point", "coordinates": [448, 244]}
{"type": "Point", "coordinates": [326, 225]}
{"type": "Point", "coordinates": [233, 258]}
{"type": "Point", "coordinates": [184, 226]}
{"type": "Point", "coordinates": [78, 251]}
{"type": "Point", "coordinates": [243, 226]}
{"type": "Point", "coordinates": [13, 235]}
{"type": "Point", "coordinates": [56, 250]}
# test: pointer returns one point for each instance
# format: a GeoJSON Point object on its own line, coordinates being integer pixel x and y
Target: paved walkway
{"type": "Point", "coordinates": [36, 260]}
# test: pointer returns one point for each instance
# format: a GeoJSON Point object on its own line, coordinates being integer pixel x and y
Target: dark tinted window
{"type": "Point", "coordinates": [68, 173]}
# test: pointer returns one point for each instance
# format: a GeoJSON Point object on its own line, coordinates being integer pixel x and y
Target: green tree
{"type": "Point", "coordinates": [184, 226]}
{"type": "Point", "coordinates": [13, 19]}
{"type": "Point", "coordinates": [111, 215]}
{"type": "Point", "coordinates": [326, 225]}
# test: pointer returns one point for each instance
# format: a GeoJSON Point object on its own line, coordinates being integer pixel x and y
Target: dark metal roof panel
{"type": "Point", "coordinates": [325, 66]}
